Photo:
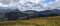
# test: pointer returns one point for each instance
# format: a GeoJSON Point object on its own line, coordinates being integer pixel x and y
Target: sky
{"type": "Point", "coordinates": [38, 5]}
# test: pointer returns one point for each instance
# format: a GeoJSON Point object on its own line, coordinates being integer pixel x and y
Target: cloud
{"type": "Point", "coordinates": [54, 5]}
{"type": "Point", "coordinates": [10, 3]}
{"type": "Point", "coordinates": [38, 5]}
{"type": "Point", "coordinates": [5, 1]}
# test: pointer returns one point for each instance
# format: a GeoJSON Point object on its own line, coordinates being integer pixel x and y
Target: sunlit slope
{"type": "Point", "coordinates": [48, 21]}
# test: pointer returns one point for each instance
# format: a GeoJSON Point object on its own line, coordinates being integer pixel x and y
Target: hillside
{"type": "Point", "coordinates": [50, 21]}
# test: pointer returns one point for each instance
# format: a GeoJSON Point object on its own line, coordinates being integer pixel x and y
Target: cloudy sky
{"type": "Point", "coordinates": [38, 5]}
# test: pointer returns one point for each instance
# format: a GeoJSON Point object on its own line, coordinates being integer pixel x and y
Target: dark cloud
{"type": "Point", "coordinates": [16, 0]}
{"type": "Point", "coordinates": [5, 1]}
{"type": "Point", "coordinates": [8, 1]}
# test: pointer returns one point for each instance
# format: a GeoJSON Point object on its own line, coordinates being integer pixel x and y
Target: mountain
{"type": "Point", "coordinates": [54, 12]}
{"type": "Point", "coordinates": [30, 11]}
{"type": "Point", "coordinates": [29, 14]}
{"type": "Point", "coordinates": [35, 14]}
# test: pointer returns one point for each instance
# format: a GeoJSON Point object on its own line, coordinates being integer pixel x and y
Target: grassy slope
{"type": "Point", "coordinates": [50, 21]}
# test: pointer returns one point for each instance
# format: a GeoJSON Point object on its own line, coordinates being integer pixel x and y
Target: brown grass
{"type": "Point", "coordinates": [50, 21]}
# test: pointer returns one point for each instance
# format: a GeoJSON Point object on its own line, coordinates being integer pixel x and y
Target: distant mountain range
{"type": "Point", "coordinates": [28, 14]}
{"type": "Point", "coordinates": [30, 11]}
{"type": "Point", "coordinates": [46, 12]}
{"type": "Point", "coordinates": [36, 14]}
{"type": "Point", "coordinates": [54, 12]}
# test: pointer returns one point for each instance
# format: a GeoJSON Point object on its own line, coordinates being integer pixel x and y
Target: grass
{"type": "Point", "coordinates": [46, 21]}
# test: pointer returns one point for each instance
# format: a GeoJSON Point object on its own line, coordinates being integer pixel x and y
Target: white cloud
{"type": "Point", "coordinates": [30, 4]}
{"type": "Point", "coordinates": [54, 5]}
{"type": "Point", "coordinates": [39, 5]}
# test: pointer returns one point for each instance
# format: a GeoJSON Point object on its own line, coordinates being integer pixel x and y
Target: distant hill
{"type": "Point", "coordinates": [54, 12]}
{"type": "Point", "coordinates": [29, 14]}
{"type": "Point", "coordinates": [30, 11]}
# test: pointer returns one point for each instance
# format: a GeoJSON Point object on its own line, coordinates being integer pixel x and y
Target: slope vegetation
{"type": "Point", "coordinates": [46, 21]}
